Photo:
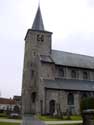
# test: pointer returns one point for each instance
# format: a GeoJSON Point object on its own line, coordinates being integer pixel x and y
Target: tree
{"type": "Point", "coordinates": [16, 109]}
{"type": "Point", "coordinates": [87, 103]}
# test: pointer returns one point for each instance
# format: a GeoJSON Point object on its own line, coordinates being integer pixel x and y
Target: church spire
{"type": "Point", "coordinates": [38, 21]}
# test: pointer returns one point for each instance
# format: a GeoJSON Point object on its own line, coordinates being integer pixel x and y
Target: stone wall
{"type": "Point", "coordinates": [60, 98]}
{"type": "Point", "coordinates": [47, 71]}
{"type": "Point", "coordinates": [79, 73]}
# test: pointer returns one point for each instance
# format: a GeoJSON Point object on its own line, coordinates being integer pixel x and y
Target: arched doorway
{"type": "Point", "coordinates": [52, 107]}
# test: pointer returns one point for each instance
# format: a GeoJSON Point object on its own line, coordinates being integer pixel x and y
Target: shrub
{"type": "Point", "coordinates": [87, 103]}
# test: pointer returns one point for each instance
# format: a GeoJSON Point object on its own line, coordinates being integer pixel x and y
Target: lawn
{"type": "Point", "coordinates": [6, 123]}
{"type": "Point", "coordinates": [49, 118]}
{"type": "Point", "coordinates": [3, 115]}
{"type": "Point", "coordinates": [68, 124]}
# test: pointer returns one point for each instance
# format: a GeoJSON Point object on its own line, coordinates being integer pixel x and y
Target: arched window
{"type": "Point", "coordinates": [52, 107]}
{"type": "Point", "coordinates": [85, 75]}
{"type": "Point", "coordinates": [73, 74]}
{"type": "Point", "coordinates": [70, 99]}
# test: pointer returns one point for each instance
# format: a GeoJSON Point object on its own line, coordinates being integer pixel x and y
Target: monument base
{"type": "Point", "coordinates": [31, 120]}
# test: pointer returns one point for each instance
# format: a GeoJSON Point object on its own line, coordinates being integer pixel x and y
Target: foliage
{"type": "Point", "coordinates": [87, 103]}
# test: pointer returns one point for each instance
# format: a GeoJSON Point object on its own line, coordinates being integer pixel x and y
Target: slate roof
{"type": "Point", "coordinates": [70, 59]}
{"type": "Point", "coordinates": [46, 58]}
{"type": "Point", "coordinates": [64, 84]}
{"type": "Point", "coordinates": [38, 21]}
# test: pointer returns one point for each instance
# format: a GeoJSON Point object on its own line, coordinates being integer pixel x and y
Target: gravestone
{"type": "Point", "coordinates": [88, 117]}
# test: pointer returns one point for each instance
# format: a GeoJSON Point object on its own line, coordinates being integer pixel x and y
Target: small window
{"type": "Point", "coordinates": [61, 72]}
{"type": "Point", "coordinates": [73, 74]}
{"type": "Point", "coordinates": [34, 53]}
{"type": "Point", "coordinates": [70, 99]}
{"type": "Point", "coordinates": [85, 75]}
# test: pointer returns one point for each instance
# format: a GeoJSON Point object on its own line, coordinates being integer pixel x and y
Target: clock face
{"type": "Point", "coordinates": [40, 37]}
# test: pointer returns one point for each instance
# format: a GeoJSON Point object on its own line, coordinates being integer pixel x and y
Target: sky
{"type": "Point", "coordinates": [72, 24]}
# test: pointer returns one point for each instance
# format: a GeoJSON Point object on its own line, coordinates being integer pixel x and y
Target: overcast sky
{"type": "Point", "coordinates": [72, 24]}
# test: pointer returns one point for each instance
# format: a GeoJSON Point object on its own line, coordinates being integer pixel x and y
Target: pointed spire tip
{"type": "Point", "coordinates": [38, 21]}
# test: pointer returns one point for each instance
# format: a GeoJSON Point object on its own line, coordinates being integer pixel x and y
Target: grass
{"type": "Point", "coordinates": [49, 118]}
{"type": "Point", "coordinates": [76, 117]}
{"type": "Point", "coordinates": [7, 123]}
{"type": "Point", "coordinates": [3, 115]}
{"type": "Point", "coordinates": [67, 124]}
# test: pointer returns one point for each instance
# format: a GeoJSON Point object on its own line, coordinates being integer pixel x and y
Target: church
{"type": "Point", "coordinates": [53, 81]}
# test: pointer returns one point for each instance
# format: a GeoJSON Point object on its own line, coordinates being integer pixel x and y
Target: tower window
{"type": "Point", "coordinates": [32, 73]}
{"type": "Point", "coordinates": [34, 53]}
{"type": "Point", "coordinates": [40, 37]}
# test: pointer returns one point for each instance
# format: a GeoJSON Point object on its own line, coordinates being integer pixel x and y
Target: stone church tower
{"type": "Point", "coordinates": [37, 42]}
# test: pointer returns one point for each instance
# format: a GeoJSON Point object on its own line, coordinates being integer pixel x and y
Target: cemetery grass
{"type": "Point", "coordinates": [67, 124]}
{"type": "Point", "coordinates": [7, 123]}
{"type": "Point", "coordinates": [50, 118]}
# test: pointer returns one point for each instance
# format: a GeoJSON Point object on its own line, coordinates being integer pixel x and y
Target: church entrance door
{"type": "Point", "coordinates": [52, 107]}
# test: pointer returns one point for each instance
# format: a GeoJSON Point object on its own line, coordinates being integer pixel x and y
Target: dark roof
{"type": "Point", "coordinates": [7, 101]}
{"type": "Point", "coordinates": [65, 84]}
{"type": "Point", "coordinates": [46, 59]}
{"type": "Point", "coordinates": [38, 21]}
{"type": "Point", "coordinates": [70, 59]}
